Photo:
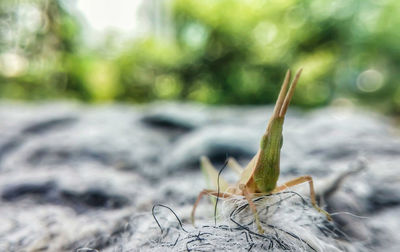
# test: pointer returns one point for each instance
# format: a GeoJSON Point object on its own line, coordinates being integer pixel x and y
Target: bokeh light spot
{"type": "Point", "coordinates": [265, 33]}
{"type": "Point", "coordinates": [195, 35]}
{"type": "Point", "coordinates": [12, 64]}
{"type": "Point", "coordinates": [369, 81]}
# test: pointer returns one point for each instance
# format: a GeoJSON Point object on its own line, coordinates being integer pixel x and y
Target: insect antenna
{"type": "Point", "coordinates": [289, 94]}
{"type": "Point", "coordinates": [282, 95]}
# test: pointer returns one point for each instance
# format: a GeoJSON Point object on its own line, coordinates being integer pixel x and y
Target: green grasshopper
{"type": "Point", "coordinates": [261, 174]}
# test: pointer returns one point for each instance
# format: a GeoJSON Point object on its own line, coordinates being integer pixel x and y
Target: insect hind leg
{"type": "Point", "coordinates": [301, 180]}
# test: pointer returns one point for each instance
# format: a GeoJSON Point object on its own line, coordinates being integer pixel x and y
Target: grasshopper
{"type": "Point", "coordinates": [261, 174]}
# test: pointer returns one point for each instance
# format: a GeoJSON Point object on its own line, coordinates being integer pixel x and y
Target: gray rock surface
{"type": "Point", "coordinates": [77, 177]}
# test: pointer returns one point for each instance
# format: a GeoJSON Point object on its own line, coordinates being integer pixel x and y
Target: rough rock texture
{"type": "Point", "coordinates": [86, 177]}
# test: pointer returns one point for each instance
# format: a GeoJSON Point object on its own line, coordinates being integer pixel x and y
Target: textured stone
{"type": "Point", "coordinates": [74, 176]}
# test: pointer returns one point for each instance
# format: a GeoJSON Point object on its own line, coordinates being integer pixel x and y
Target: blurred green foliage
{"type": "Point", "coordinates": [222, 52]}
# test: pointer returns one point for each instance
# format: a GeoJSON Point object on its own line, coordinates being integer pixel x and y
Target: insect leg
{"type": "Point", "coordinates": [300, 180]}
{"type": "Point", "coordinates": [207, 192]}
{"type": "Point", "coordinates": [252, 207]}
